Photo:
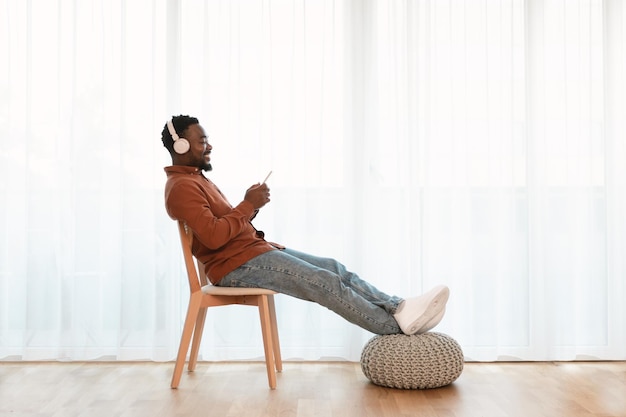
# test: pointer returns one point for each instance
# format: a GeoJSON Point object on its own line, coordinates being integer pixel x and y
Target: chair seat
{"type": "Point", "coordinates": [215, 290]}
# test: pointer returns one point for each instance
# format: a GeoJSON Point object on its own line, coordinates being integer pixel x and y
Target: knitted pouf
{"type": "Point", "coordinates": [429, 360]}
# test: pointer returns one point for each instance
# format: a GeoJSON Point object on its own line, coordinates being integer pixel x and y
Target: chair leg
{"type": "Point", "coordinates": [268, 346]}
{"type": "Point", "coordinates": [275, 339]}
{"type": "Point", "coordinates": [197, 338]}
{"type": "Point", "coordinates": [192, 314]}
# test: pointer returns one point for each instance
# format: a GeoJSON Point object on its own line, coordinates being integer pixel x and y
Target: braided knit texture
{"type": "Point", "coordinates": [422, 361]}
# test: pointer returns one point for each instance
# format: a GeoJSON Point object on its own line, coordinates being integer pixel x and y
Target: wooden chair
{"type": "Point", "coordinates": [204, 295]}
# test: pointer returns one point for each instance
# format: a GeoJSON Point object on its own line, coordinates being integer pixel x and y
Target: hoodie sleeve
{"type": "Point", "coordinates": [214, 221]}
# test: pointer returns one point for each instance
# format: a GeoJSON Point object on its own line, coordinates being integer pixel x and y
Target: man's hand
{"type": "Point", "coordinates": [258, 195]}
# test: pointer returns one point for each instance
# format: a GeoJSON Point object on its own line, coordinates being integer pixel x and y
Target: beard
{"type": "Point", "coordinates": [204, 164]}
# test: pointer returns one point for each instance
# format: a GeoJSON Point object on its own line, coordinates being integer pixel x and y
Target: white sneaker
{"type": "Point", "coordinates": [417, 313]}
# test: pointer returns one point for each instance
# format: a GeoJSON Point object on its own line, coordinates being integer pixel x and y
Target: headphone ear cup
{"type": "Point", "coordinates": [181, 146]}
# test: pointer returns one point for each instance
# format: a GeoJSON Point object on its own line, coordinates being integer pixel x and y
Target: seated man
{"type": "Point", "coordinates": [235, 254]}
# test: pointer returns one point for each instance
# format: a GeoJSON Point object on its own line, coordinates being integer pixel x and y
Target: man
{"type": "Point", "coordinates": [235, 254]}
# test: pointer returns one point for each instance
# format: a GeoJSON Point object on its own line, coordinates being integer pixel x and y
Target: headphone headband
{"type": "Point", "coordinates": [170, 127]}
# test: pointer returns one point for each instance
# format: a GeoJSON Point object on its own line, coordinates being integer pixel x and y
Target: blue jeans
{"type": "Point", "coordinates": [321, 280]}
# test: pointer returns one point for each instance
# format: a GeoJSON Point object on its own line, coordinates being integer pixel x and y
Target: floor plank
{"type": "Point", "coordinates": [307, 389]}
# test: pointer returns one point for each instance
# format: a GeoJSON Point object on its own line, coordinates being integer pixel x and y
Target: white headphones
{"type": "Point", "coordinates": [181, 145]}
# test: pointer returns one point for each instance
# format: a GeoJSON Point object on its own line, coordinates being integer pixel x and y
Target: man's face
{"type": "Point", "coordinates": [199, 154]}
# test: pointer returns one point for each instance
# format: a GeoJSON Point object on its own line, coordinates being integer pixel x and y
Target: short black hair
{"type": "Point", "coordinates": [181, 123]}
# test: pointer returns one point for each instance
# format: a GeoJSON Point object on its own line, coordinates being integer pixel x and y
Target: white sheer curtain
{"type": "Point", "coordinates": [498, 127]}
{"type": "Point", "coordinates": [476, 143]}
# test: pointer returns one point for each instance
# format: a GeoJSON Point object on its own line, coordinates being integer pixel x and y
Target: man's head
{"type": "Point", "coordinates": [186, 128]}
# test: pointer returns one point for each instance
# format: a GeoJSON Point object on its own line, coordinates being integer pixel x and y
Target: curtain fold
{"type": "Point", "coordinates": [476, 144]}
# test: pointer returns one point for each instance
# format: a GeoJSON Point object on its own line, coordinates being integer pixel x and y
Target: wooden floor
{"type": "Point", "coordinates": [339, 389]}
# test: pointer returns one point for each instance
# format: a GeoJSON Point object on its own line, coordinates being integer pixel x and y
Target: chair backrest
{"type": "Point", "coordinates": [196, 280]}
